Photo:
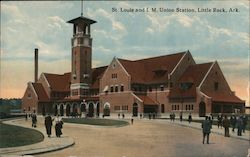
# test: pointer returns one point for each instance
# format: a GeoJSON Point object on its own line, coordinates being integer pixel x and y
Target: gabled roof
{"type": "Point", "coordinates": [224, 97]}
{"type": "Point", "coordinates": [96, 76]}
{"type": "Point", "coordinates": [59, 83]}
{"type": "Point", "coordinates": [151, 70]}
{"type": "Point", "coordinates": [42, 96]}
{"type": "Point", "coordinates": [147, 100]}
{"type": "Point", "coordinates": [194, 74]}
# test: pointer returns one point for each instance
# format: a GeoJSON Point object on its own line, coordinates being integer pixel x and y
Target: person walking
{"type": "Point", "coordinates": [239, 124]}
{"type": "Point", "coordinates": [26, 117]}
{"type": "Point", "coordinates": [226, 124]}
{"type": "Point", "coordinates": [189, 118]}
{"type": "Point", "coordinates": [233, 122]}
{"type": "Point", "coordinates": [206, 129]}
{"type": "Point", "coordinates": [181, 116]}
{"type": "Point", "coordinates": [58, 126]}
{"type": "Point", "coordinates": [123, 116]}
{"type": "Point", "coordinates": [132, 121]}
{"type": "Point", "coordinates": [34, 120]}
{"type": "Point", "coordinates": [244, 120]}
{"type": "Point", "coordinates": [48, 124]}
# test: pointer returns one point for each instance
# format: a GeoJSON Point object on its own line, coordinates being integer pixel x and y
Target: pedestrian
{"type": "Point", "coordinates": [132, 121]}
{"type": "Point", "coordinates": [244, 119]}
{"type": "Point", "coordinates": [226, 124]}
{"type": "Point", "coordinates": [189, 118]}
{"type": "Point", "coordinates": [233, 122]}
{"type": "Point", "coordinates": [219, 118]}
{"type": "Point", "coordinates": [149, 115]}
{"type": "Point", "coordinates": [153, 115]}
{"type": "Point", "coordinates": [48, 124]}
{"type": "Point", "coordinates": [239, 124]}
{"type": "Point", "coordinates": [181, 116]}
{"type": "Point", "coordinates": [206, 129]}
{"type": "Point", "coordinates": [58, 126]}
{"type": "Point", "coordinates": [123, 116]}
{"type": "Point", "coordinates": [140, 115]}
{"type": "Point", "coordinates": [26, 116]}
{"type": "Point", "coordinates": [119, 115]}
{"type": "Point", "coordinates": [34, 120]}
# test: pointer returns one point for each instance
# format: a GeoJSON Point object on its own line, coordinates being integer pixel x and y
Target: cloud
{"type": "Point", "coordinates": [56, 22]}
{"type": "Point", "coordinates": [11, 10]}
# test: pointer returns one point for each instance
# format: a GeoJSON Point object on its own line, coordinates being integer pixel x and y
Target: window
{"type": "Point", "coordinates": [117, 108]}
{"type": "Point", "coordinates": [162, 88]}
{"type": "Point", "coordinates": [116, 88]}
{"type": "Point", "coordinates": [186, 107]}
{"type": "Point", "coordinates": [216, 86]}
{"type": "Point", "coordinates": [74, 92]}
{"type": "Point", "coordinates": [171, 84]}
{"type": "Point", "coordinates": [29, 108]}
{"type": "Point", "coordinates": [122, 88]}
{"type": "Point", "coordinates": [113, 76]}
{"type": "Point", "coordinates": [29, 95]}
{"type": "Point", "coordinates": [111, 89]}
{"type": "Point", "coordinates": [150, 88]}
{"type": "Point", "coordinates": [162, 108]}
{"type": "Point", "coordinates": [192, 107]}
{"type": "Point", "coordinates": [125, 107]}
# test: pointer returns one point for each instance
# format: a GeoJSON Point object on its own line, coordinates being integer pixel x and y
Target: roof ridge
{"type": "Point", "coordinates": [178, 53]}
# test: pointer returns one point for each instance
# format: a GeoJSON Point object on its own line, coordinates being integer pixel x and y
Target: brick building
{"type": "Point", "coordinates": [163, 84]}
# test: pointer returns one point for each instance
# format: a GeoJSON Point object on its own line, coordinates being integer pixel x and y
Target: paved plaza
{"type": "Point", "coordinates": [146, 138]}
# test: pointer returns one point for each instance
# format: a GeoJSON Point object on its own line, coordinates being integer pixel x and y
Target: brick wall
{"type": "Point", "coordinates": [29, 100]}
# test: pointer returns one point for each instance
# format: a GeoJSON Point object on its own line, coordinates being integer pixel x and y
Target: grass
{"type": "Point", "coordinates": [13, 136]}
{"type": "Point", "coordinates": [93, 121]}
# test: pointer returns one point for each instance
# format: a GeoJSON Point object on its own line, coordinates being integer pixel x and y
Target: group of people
{"type": "Point", "coordinates": [58, 126]}
{"type": "Point", "coordinates": [48, 122]}
{"type": "Point", "coordinates": [172, 117]}
{"type": "Point", "coordinates": [239, 122]}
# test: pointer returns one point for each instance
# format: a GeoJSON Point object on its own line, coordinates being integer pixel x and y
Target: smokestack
{"type": "Point", "coordinates": [36, 64]}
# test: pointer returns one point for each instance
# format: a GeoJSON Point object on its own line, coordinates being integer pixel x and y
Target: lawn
{"type": "Point", "coordinates": [13, 136]}
{"type": "Point", "coordinates": [95, 121]}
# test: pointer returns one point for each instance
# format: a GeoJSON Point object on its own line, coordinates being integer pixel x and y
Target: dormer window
{"type": "Point", "coordinates": [113, 66]}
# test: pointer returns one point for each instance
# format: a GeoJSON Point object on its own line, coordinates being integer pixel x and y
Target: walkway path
{"type": "Point", "coordinates": [47, 145]}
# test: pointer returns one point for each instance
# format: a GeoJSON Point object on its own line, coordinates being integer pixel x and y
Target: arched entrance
{"type": "Point", "coordinates": [162, 108]}
{"type": "Point", "coordinates": [91, 110]}
{"type": "Point", "coordinates": [97, 109]}
{"type": "Point", "coordinates": [106, 109]}
{"type": "Point", "coordinates": [61, 110]}
{"type": "Point", "coordinates": [74, 113]}
{"type": "Point", "coordinates": [135, 110]}
{"type": "Point", "coordinates": [68, 110]}
{"type": "Point", "coordinates": [202, 109]}
{"type": "Point", "coordinates": [56, 112]}
{"type": "Point", "coordinates": [83, 108]}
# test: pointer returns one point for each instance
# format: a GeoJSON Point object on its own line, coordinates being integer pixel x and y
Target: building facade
{"type": "Point", "coordinates": [160, 85]}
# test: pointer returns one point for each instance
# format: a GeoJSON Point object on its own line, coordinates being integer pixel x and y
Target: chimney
{"type": "Point", "coordinates": [36, 65]}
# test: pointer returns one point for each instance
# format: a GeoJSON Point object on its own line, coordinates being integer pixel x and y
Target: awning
{"type": "Point", "coordinates": [106, 88]}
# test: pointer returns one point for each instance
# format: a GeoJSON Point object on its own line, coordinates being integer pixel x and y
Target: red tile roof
{"type": "Point", "coordinates": [59, 83]}
{"type": "Point", "coordinates": [96, 76]}
{"type": "Point", "coordinates": [194, 74]}
{"type": "Point", "coordinates": [151, 70]}
{"type": "Point", "coordinates": [42, 96]}
{"type": "Point", "coordinates": [224, 97]}
{"type": "Point", "coordinates": [147, 100]}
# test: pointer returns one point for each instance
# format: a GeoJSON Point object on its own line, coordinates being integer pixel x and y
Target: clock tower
{"type": "Point", "coordinates": [81, 57]}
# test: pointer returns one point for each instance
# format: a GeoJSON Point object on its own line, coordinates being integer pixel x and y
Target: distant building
{"type": "Point", "coordinates": [160, 85]}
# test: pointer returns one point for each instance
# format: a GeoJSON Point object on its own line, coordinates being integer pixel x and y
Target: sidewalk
{"type": "Point", "coordinates": [215, 129]}
{"type": "Point", "coordinates": [47, 145]}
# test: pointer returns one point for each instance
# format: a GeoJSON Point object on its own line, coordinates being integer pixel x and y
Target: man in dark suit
{"type": "Point", "coordinates": [48, 124]}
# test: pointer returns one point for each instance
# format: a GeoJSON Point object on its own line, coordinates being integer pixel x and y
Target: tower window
{"type": "Point", "coordinates": [111, 89]}
{"type": "Point", "coordinates": [216, 86]}
{"type": "Point", "coordinates": [162, 88]}
{"type": "Point", "coordinates": [116, 88]}
{"type": "Point", "coordinates": [122, 88]}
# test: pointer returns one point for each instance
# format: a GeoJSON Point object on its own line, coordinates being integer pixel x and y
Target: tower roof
{"type": "Point", "coordinates": [82, 19]}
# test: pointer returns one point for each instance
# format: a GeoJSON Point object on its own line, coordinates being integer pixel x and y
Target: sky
{"type": "Point", "coordinates": [209, 36]}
